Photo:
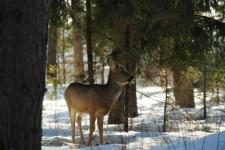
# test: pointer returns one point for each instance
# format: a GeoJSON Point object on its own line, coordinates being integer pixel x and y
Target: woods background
{"type": "Point", "coordinates": [178, 45]}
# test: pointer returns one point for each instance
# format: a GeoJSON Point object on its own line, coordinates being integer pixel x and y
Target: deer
{"type": "Point", "coordinates": [96, 100]}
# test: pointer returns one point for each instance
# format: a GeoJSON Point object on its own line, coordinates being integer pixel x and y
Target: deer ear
{"type": "Point", "coordinates": [111, 63]}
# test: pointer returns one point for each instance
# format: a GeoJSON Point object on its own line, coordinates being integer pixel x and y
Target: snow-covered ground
{"type": "Point", "coordinates": [186, 129]}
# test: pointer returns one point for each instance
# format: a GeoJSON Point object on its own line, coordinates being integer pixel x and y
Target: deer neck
{"type": "Point", "coordinates": [114, 89]}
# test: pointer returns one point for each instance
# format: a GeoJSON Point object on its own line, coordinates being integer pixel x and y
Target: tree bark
{"type": "Point", "coordinates": [78, 54]}
{"type": "Point", "coordinates": [132, 104]}
{"type": "Point", "coordinates": [183, 90]}
{"type": "Point", "coordinates": [103, 66]}
{"type": "Point", "coordinates": [89, 42]}
{"type": "Point", "coordinates": [165, 116]}
{"type": "Point", "coordinates": [130, 90]}
{"type": "Point", "coordinates": [77, 41]}
{"type": "Point", "coordinates": [23, 39]}
{"type": "Point", "coordinates": [127, 104]}
{"type": "Point", "coordinates": [162, 73]}
{"type": "Point", "coordinates": [116, 116]}
{"type": "Point", "coordinates": [63, 46]}
{"type": "Point", "coordinates": [204, 92]}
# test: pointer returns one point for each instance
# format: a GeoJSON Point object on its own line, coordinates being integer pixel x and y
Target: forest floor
{"type": "Point", "coordinates": [186, 128]}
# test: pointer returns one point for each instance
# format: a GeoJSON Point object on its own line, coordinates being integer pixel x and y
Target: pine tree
{"type": "Point", "coordinates": [23, 42]}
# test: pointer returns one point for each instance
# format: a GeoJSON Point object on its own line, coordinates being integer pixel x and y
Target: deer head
{"type": "Point", "coordinates": [119, 73]}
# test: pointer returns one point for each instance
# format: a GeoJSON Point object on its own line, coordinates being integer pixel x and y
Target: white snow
{"type": "Point", "coordinates": [145, 130]}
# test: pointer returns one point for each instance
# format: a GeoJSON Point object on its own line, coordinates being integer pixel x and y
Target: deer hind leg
{"type": "Point", "coordinates": [100, 118]}
{"type": "Point", "coordinates": [79, 118]}
{"type": "Point", "coordinates": [92, 127]}
{"type": "Point", "coordinates": [72, 121]}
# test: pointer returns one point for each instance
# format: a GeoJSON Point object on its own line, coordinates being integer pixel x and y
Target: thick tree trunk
{"type": "Point", "coordinates": [116, 116]}
{"type": "Point", "coordinates": [127, 104]}
{"type": "Point", "coordinates": [183, 90]}
{"type": "Point", "coordinates": [78, 54]}
{"type": "Point", "coordinates": [132, 105]}
{"type": "Point", "coordinates": [130, 98]}
{"type": "Point", "coordinates": [130, 90]}
{"type": "Point", "coordinates": [51, 59]}
{"type": "Point", "coordinates": [23, 39]}
{"type": "Point", "coordinates": [77, 41]}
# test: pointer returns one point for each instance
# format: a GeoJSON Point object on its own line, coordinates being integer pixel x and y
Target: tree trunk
{"type": "Point", "coordinates": [78, 54]}
{"type": "Point", "coordinates": [165, 116]}
{"type": "Point", "coordinates": [77, 42]}
{"type": "Point", "coordinates": [217, 93]}
{"type": "Point", "coordinates": [116, 116]}
{"type": "Point", "coordinates": [162, 73]}
{"type": "Point", "coordinates": [103, 66]}
{"type": "Point", "coordinates": [126, 108]}
{"type": "Point", "coordinates": [127, 104]}
{"type": "Point", "coordinates": [51, 59]}
{"type": "Point", "coordinates": [89, 42]}
{"type": "Point", "coordinates": [23, 39]}
{"type": "Point", "coordinates": [130, 90]}
{"type": "Point", "coordinates": [132, 105]}
{"type": "Point", "coordinates": [63, 46]}
{"type": "Point", "coordinates": [183, 90]}
{"type": "Point", "coordinates": [204, 92]}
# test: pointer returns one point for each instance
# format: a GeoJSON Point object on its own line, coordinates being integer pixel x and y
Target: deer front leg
{"type": "Point", "coordinates": [72, 121]}
{"type": "Point", "coordinates": [92, 127]}
{"type": "Point", "coordinates": [79, 118]}
{"type": "Point", "coordinates": [100, 118]}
